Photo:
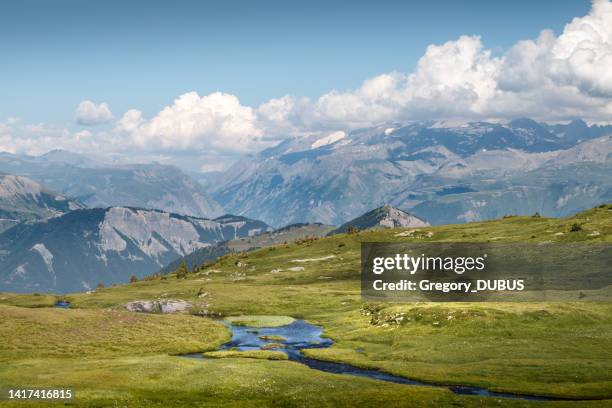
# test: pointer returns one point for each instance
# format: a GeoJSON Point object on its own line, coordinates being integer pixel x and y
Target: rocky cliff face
{"type": "Point", "coordinates": [82, 248]}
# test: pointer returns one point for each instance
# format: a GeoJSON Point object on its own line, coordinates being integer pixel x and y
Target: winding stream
{"type": "Point", "coordinates": [301, 335]}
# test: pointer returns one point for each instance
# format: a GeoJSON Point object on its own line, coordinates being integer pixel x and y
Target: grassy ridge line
{"type": "Point", "coordinates": [596, 226]}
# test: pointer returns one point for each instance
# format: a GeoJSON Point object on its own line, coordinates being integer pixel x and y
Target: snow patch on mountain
{"type": "Point", "coordinates": [331, 138]}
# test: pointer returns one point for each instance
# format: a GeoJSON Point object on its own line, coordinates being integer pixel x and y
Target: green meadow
{"type": "Point", "coordinates": [115, 358]}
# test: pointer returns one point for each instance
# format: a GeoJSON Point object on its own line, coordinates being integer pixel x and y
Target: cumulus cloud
{"type": "Point", "coordinates": [549, 78]}
{"type": "Point", "coordinates": [90, 114]}
{"type": "Point", "coordinates": [30, 138]}
{"type": "Point", "coordinates": [36, 139]}
{"type": "Point", "coordinates": [130, 121]}
{"type": "Point", "coordinates": [217, 121]}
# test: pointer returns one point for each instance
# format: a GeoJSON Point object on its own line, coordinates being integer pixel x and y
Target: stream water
{"type": "Point", "coordinates": [301, 335]}
{"type": "Point", "coordinates": [62, 304]}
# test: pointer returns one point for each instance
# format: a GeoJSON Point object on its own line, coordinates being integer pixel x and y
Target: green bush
{"type": "Point", "coordinates": [576, 227]}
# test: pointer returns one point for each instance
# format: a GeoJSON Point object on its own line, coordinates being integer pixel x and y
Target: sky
{"type": "Point", "coordinates": [153, 80]}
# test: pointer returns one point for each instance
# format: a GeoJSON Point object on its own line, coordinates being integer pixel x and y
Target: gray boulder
{"type": "Point", "coordinates": [158, 306]}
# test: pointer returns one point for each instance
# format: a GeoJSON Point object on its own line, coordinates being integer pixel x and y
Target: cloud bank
{"type": "Point", "coordinates": [90, 114]}
{"type": "Point", "coordinates": [549, 78]}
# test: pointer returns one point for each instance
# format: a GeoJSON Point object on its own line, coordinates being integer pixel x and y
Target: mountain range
{"type": "Point", "coordinates": [284, 235]}
{"type": "Point", "coordinates": [379, 218]}
{"type": "Point", "coordinates": [79, 249]}
{"type": "Point", "coordinates": [442, 172]}
{"type": "Point", "coordinates": [98, 184]}
{"type": "Point", "coordinates": [69, 222]}
{"type": "Point", "coordinates": [23, 199]}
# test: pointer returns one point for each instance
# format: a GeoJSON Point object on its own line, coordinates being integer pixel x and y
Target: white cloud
{"type": "Point", "coordinates": [36, 139]}
{"type": "Point", "coordinates": [582, 55]}
{"type": "Point", "coordinates": [90, 114]}
{"type": "Point", "coordinates": [549, 78]}
{"type": "Point", "coordinates": [217, 121]}
{"type": "Point", "coordinates": [130, 121]}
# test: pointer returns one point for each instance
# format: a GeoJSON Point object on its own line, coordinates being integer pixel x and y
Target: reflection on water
{"type": "Point", "coordinates": [301, 335]}
{"type": "Point", "coordinates": [63, 304]}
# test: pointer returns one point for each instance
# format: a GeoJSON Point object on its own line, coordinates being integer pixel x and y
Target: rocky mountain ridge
{"type": "Point", "coordinates": [23, 199]}
{"type": "Point", "coordinates": [82, 248]}
{"type": "Point", "coordinates": [422, 165]}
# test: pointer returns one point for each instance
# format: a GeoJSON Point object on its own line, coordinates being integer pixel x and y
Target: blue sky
{"type": "Point", "coordinates": [201, 84]}
{"type": "Point", "coordinates": [145, 53]}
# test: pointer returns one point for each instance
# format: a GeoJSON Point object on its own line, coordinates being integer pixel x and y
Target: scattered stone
{"type": "Point", "coordinates": [237, 276]}
{"type": "Point", "coordinates": [158, 306]}
{"type": "Point", "coordinates": [415, 234]}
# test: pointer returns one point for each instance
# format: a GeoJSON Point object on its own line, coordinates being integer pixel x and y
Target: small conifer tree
{"type": "Point", "coordinates": [352, 229]}
{"type": "Point", "coordinates": [182, 271]}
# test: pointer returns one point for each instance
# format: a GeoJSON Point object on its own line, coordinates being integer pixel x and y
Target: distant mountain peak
{"type": "Point", "coordinates": [66, 157]}
{"type": "Point", "coordinates": [523, 122]}
{"type": "Point", "coordinates": [23, 199]}
{"type": "Point", "coordinates": [386, 216]}
{"type": "Point", "coordinates": [98, 184]}
{"type": "Point", "coordinates": [578, 122]}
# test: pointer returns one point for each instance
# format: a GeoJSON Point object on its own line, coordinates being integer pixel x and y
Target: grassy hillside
{"type": "Point", "coordinates": [555, 348]}
{"type": "Point", "coordinates": [283, 235]}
